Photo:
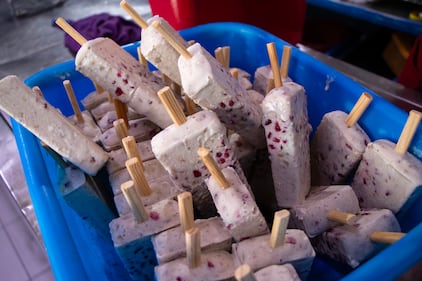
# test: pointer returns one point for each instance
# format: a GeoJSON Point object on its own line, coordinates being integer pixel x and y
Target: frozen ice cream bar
{"type": "Point", "coordinates": [106, 121]}
{"type": "Point", "coordinates": [94, 99]}
{"type": "Point", "coordinates": [351, 244]}
{"type": "Point", "coordinates": [257, 253]}
{"type": "Point", "coordinates": [152, 170]}
{"type": "Point", "coordinates": [170, 244]}
{"type": "Point", "coordinates": [44, 121]}
{"type": "Point", "coordinates": [132, 240]}
{"type": "Point", "coordinates": [162, 188]}
{"type": "Point", "coordinates": [158, 51]}
{"type": "Point", "coordinates": [118, 157]}
{"type": "Point", "coordinates": [386, 178]}
{"type": "Point", "coordinates": [285, 120]}
{"type": "Point", "coordinates": [106, 63]}
{"type": "Point", "coordinates": [142, 129]}
{"type": "Point", "coordinates": [311, 215]}
{"type": "Point", "coordinates": [237, 206]}
{"type": "Point", "coordinates": [285, 272]}
{"type": "Point", "coordinates": [101, 110]}
{"type": "Point", "coordinates": [176, 146]}
{"type": "Point", "coordinates": [337, 147]}
{"type": "Point", "coordinates": [211, 86]}
{"type": "Point", "coordinates": [256, 96]}
{"type": "Point", "coordinates": [88, 126]}
{"type": "Point", "coordinates": [216, 266]}
{"type": "Point", "coordinates": [81, 195]}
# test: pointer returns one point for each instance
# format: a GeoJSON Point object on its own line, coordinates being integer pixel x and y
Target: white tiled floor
{"type": "Point", "coordinates": [22, 255]}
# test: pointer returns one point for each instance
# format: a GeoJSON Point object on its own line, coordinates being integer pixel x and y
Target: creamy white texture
{"type": "Point", "coordinates": [158, 50]}
{"type": "Point", "coordinates": [285, 272]}
{"type": "Point", "coordinates": [386, 178]}
{"type": "Point", "coordinates": [49, 125]}
{"type": "Point", "coordinates": [88, 127]}
{"type": "Point", "coordinates": [211, 86]}
{"type": "Point", "coordinates": [118, 157]}
{"type": "Point", "coordinates": [350, 244]}
{"type": "Point", "coordinates": [237, 207]}
{"type": "Point", "coordinates": [261, 78]}
{"type": "Point", "coordinates": [171, 244]}
{"type": "Point", "coordinates": [152, 170]}
{"type": "Point", "coordinates": [216, 266]}
{"type": "Point", "coordinates": [163, 215]}
{"type": "Point", "coordinates": [257, 253]}
{"type": "Point", "coordinates": [162, 188]}
{"type": "Point", "coordinates": [115, 70]}
{"type": "Point", "coordinates": [285, 120]}
{"type": "Point", "coordinates": [106, 121]}
{"type": "Point", "coordinates": [94, 99]}
{"type": "Point", "coordinates": [336, 149]}
{"type": "Point", "coordinates": [311, 215]}
{"type": "Point", "coordinates": [141, 129]}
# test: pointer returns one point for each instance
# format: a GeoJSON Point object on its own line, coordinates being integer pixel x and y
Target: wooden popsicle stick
{"type": "Point", "coordinates": [131, 149]}
{"type": "Point", "coordinates": [141, 58]}
{"type": "Point", "coordinates": [172, 41]}
{"type": "Point", "coordinates": [38, 91]}
{"type": "Point", "coordinates": [121, 111]}
{"type": "Point", "coordinates": [136, 172]}
{"type": "Point", "coordinates": [72, 98]}
{"type": "Point", "coordinates": [278, 231]}
{"type": "Point", "coordinates": [226, 55]}
{"type": "Point", "coordinates": [176, 88]}
{"type": "Point", "coordinates": [121, 128]}
{"type": "Point", "coordinates": [341, 217]}
{"type": "Point", "coordinates": [110, 98]}
{"type": "Point", "coordinates": [386, 237]}
{"type": "Point", "coordinates": [98, 88]}
{"type": "Point", "coordinates": [235, 73]}
{"type": "Point", "coordinates": [244, 273]}
{"type": "Point", "coordinates": [133, 14]}
{"type": "Point", "coordinates": [408, 131]}
{"type": "Point", "coordinates": [63, 24]}
{"type": "Point", "coordinates": [212, 166]}
{"type": "Point", "coordinates": [172, 106]}
{"type": "Point", "coordinates": [270, 85]}
{"type": "Point", "coordinates": [193, 247]}
{"type": "Point", "coordinates": [186, 211]}
{"type": "Point", "coordinates": [134, 201]}
{"type": "Point", "coordinates": [285, 61]}
{"type": "Point", "coordinates": [272, 53]}
{"type": "Point", "coordinates": [359, 108]}
{"type": "Point", "coordinates": [190, 105]}
{"type": "Point", "coordinates": [219, 56]}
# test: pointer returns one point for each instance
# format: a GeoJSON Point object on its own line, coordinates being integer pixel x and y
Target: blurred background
{"type": "Point", "coordinates": [374, 42]}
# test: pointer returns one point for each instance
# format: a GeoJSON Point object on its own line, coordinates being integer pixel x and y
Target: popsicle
{"type": "Point", "coordinates": [211, 86]}
{"type": "Point", "coordinates": [141, 129]}
{"type": "Point", "coordinates": [285, 272]}
{"type": "Point", "coordinates": [338, 145]}
{"type": "Point", "coordinates": [81, 119]}
{"type": "Point", "coordinates": [175, 147]}
{"type": "Point", "coordinates": [44, 121]}
{"type": "Point", "coordinates": [233, 200]}
{"type": "Point", "coordinates": [94, 98]}
{"type": "Point", "coordinates": [154, 47]}
{"type": "Point", "coordinates": [197, 266]}
{"type": "Point", "coordinates": [263, 77]}
{"type": "Point", "coordinates": [285, 120]}
{"type": "Point", "coordinates": [118, 157]}
{"type": "Point", "coordinates": [170, 244]}
{"type": "Point", "coordinates": [131, 233]}
{"type": "Point", "coordinates": [388, 174]}
{"type": "Point", "coordinates": [352, 244]}
{"type": "Point", "coordinates": [311, 215]}
{"type": "Point", "coordinates": [120, 74]}
{"type": "Point", "coordinates": [282, 246]}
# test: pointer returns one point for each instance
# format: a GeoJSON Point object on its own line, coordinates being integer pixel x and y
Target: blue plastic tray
{"type": "Point", "coordinates": [76, 252]}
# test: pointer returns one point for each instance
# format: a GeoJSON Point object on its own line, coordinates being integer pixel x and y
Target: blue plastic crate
{"type": "Point", "coordinates": [77, 252]}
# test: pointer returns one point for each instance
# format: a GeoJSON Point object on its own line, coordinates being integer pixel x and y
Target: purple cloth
{"type": "Point", "coordinates": [103, 25]}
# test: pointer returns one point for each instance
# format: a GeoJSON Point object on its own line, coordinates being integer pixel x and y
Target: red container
{"type": "Point", "coordinates": [284, 19]}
